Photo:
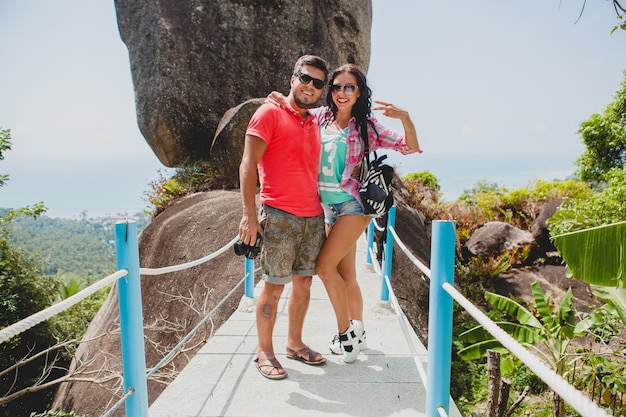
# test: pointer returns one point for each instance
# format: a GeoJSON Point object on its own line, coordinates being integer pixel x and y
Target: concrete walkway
{"type": "Point", "coordinates": [222, 380]}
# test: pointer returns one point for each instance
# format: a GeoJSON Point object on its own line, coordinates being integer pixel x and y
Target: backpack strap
{"type": "Point", "coordinates": [366, 141]}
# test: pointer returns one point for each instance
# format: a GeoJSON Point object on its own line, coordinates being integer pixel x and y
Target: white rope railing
{"type": "Point", "coordinates": [193, 331]}
{"type": "Point", "coordinates": [119, 402]}
{"type": "Point", "coordinates": [575, 398]}
{"type": "Point", "coordinates": [376, 226]}
{"type": "Point", "coordinates": [43, 315]}
{"type": "Point", "coordinates": [402, 320]}
{"type": "Point", "coordinates": [425, 270]}
{"type": "Point", "coordinates": [407, 335]}
{"type": "Point", "coordinates": [180, 267]}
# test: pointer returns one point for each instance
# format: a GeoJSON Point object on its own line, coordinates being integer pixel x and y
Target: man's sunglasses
{"type": "Point", "coordinates": [347, 89]}
{"type": "Point", "coordinates": [306, 78]}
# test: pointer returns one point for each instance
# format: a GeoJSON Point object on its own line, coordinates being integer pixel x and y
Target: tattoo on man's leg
{"type": "Point", "coordinates": [266, 311]}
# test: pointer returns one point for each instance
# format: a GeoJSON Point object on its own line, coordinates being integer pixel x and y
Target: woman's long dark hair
{"type": "Point", "coordinates": [363, 107]}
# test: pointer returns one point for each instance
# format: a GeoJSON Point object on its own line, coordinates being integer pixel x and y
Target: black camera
{"type": "Point", "coordinates": [248, 251]}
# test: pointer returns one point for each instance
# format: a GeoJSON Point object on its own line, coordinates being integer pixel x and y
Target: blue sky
{"type": "Point", "coordinates": [497, 90]}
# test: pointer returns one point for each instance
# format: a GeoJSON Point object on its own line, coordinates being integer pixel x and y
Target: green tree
{"type": "Point", "coordinates": [22, 292]}
{"type": "Point", "coordinates": [604, 137]}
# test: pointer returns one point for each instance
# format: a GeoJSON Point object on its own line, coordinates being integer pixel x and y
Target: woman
{"type": "Point", "coordinates": [350, 104]}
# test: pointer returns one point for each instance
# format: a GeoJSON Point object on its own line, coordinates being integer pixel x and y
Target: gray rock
{"type": "Point", "coordinates": [192, 61]}
{"type": "Point", "coordinates": [496, 237]}
{"type": "Point", "coordinates": [539, 229]}
{"type": "Point", "coordinates": [229, 142]}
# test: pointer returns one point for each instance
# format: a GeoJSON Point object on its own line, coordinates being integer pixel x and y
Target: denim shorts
{"type": "Point", "coordinates": [333, 211]}
{"type": "Point", "coordinates": [290, 244]}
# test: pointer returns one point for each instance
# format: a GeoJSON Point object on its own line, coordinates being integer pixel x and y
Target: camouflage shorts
{"type": "Point", "coordinates": [291, 244]}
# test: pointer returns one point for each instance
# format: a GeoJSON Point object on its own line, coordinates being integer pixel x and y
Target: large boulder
{"type": "Point", "coordinates": [494, 238]}
{"type": "Point", "coordinates": [192, 61]}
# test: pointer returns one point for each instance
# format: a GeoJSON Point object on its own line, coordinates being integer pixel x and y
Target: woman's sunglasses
{"type": "Point", "coordinates": [306, 78]}
{"type": "Point", "coordinates": [347, 89]}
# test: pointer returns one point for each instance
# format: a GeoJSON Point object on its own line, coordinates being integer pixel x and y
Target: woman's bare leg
{"type": "Point", "coordinates": [347, 270]}
{"type": "Point", "coordinates": [339, 243]}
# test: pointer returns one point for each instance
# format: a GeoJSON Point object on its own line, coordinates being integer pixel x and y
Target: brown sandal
{"type": "Point", "coordinates": [306, 355]}
{"type": "Point", "coordinates": [269, 367]}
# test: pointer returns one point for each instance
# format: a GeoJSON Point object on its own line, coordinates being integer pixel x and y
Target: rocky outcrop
{"type": "Point", "coordinates": [192, 61]}
{"type": "Point", "coordinates": [494, 238]}
{"type": "Point", "coordinates": [539, 229]}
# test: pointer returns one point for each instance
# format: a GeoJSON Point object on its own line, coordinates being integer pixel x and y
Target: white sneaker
{"type": "Point", "coordinates": [363, 342]}
{"type": "Point", "coordinates": [335, 344]}
{"type": "Point", "coordinates": [350, 341]}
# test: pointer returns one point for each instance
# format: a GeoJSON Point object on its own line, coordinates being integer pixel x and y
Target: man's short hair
{"type": "Point", "coordinates": [314, 61]}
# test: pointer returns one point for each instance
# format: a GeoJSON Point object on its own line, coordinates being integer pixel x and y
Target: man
{"type": "Point", "coordinates": [284, 144]}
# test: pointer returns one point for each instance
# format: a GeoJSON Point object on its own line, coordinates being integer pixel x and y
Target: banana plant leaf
{"type": "Point", "coordinates": [597, 255]}
{"type": "Point", "coordinates": [519, 332]}
{"type": "Point", "coordinates": [478, 350]}
{"type": "Point", "coordinates": [541, 303]}
{"type": "Point", "coordinates": [615, 297]}
{"type": "Point", "coordinates": [514, 309]}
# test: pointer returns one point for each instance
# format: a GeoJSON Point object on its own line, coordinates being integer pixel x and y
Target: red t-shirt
{"type": "Point", "coordinates": [288, 169]}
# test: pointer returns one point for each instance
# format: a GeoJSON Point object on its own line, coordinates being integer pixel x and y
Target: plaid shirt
{"type": "Point", "coordinates": [386, 139]}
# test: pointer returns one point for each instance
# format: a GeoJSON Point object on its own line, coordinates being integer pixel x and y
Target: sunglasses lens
{"type": "Point", "coordinates": [306, 78]}
{"type": "Point", "coordinates": [347, 89]}
{"type": "Point", "coordinates": [317, 83]}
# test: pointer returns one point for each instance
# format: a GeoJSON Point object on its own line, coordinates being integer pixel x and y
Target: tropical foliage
{"type": "Point", "coordinates": [548, 329]}
{"type": "Point", "coordinates": [604, 137]}
{"type": "Point", "coordinates": [605, 207]}
{"type": "Point", "coordinates": [596, 255]}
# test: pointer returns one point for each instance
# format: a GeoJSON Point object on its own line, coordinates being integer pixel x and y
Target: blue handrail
{"type": "Point", "coordinates": [131, 320]}
{"type": "Point", "coordinates": [440, 318]}
{"type": "Point", "coordinates": [387, 254]}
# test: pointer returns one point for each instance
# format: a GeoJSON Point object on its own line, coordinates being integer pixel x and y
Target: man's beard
{"type": "Point", "coordinates": [304, 105]}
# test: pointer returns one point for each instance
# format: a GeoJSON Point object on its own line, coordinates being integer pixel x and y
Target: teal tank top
{"type": "Point", "coordinates": [333, 162]}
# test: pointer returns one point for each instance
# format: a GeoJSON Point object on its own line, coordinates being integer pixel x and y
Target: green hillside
{"type": "Point", "coordinates": [83, 248]}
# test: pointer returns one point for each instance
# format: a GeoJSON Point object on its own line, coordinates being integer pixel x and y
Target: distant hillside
{"type": "Point", "coordinates": [83, 247]}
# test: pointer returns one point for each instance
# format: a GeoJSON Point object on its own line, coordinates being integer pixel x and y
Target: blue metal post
{"type": "Point", "coordinates": [440, 318]}
{"type": "Point", "coordinates": [370, 242]}
{"type": "Point", "coordinates": [249, 271]}
{"type": "Point", "coordinates": [131, 320]}
{"type": "Point", "coordinates": [387, 255]}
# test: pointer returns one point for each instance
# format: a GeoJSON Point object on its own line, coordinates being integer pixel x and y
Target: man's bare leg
{"type": "Point", "coordinates": [266, 310]}
{"type": "Point", "coordinates": [298, 306]}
